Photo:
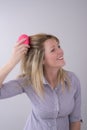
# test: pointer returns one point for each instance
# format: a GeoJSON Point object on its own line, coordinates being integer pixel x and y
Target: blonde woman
{"type": "Point", "coordinates": [55, 93]}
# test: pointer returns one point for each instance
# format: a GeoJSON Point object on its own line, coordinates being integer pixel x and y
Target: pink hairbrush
{"type": "Point", "coordinates": [27, 41]}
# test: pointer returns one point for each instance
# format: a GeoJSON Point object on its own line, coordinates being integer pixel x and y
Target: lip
{"type": "Point", "coordinates": [60, 58]}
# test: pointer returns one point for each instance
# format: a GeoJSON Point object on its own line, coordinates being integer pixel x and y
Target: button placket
{"type": "Point", "coordinates": [56, 101]}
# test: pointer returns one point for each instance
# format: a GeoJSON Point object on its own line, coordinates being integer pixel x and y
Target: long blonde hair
{"type": "Point", "coordinates": [32, 63]}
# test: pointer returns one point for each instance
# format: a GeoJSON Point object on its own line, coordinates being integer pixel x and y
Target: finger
{"type": "Point", "coordinates": [19, 46]}
{"type": "Point", "coordinates": [20, 41]}
{"type": "Point", "coordinates": [23, 49]}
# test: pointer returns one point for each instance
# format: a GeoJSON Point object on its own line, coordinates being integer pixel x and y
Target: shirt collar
{"type": "Point", "coordinates": [46, 82]}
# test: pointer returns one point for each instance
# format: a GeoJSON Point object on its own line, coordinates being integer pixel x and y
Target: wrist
{"type": "Point", "coordinates": [11, 63]}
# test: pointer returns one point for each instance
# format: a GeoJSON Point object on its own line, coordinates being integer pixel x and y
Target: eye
{"type": "Point", "coordinates": [59, 46]}
{"type": "Point", "coordinates": [52, 50]}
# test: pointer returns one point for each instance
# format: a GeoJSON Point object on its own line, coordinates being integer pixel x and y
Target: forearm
{"type": "Point", "coordinates": [75, 126]}
{"type": "Point", "coordinates": [5, 70]}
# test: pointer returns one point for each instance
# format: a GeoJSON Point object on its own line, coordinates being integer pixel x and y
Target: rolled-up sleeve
{"type": "Point", "coordinates": [76, 113]}
{"type": "Point", "coordinates": [11, 88]}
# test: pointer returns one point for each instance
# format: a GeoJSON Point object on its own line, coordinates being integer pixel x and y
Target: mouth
{"type": "Point", "coordinates": [60, 58]}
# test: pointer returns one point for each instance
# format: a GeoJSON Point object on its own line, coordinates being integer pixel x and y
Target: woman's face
{"type": "Point", "coordinates": [53, 54]}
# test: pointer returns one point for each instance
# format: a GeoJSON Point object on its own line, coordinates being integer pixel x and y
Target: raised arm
{"type": "Point", "coordinates": [18, 51]}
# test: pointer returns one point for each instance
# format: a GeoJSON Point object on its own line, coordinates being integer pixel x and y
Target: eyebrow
{"type": "Point", "coordinates": [54, 45]}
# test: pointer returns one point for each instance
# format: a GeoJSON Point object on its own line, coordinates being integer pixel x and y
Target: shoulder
{"type": "Point", "coordinates": [23, 81]}
{"type": "Point", "coordinates": [73, 79]}
{"type": "Point", "coordinates": [72, 75]}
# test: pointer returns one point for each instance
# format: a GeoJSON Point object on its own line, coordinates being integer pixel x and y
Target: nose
{"type": "Point", "coordinates": [59, 51]}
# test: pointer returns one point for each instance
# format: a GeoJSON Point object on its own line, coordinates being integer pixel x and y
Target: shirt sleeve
{"type": "Point", "coordinates": [76, 113]}
{"type": "Point", "coordinates": [11, 88]}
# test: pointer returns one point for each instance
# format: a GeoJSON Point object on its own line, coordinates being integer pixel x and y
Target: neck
{"type": "Point", "coordinates": [51, 76]}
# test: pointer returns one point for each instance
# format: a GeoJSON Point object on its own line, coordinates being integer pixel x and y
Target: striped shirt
{"type": "Point", "coordinates": [56, 110]}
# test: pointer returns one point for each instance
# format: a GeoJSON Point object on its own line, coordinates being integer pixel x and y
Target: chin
{"type": "Point", "coordinates": [61, 65]}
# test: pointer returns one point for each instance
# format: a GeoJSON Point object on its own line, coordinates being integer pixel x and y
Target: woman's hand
{"type": "Point", "coordinates": [18, 51]}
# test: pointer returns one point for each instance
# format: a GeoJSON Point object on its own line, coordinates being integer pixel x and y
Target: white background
{"type": "Point", "coordinates": [67, 19]}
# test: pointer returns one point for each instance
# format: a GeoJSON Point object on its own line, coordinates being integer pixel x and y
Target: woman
{"type": "Point", "coordinates": [55, 93]}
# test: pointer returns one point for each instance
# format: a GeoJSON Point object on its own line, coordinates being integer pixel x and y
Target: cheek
{"type": "Point", "coordinates": [49, 60]}
{"type": "Point", "coordinates": [46, 59]}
